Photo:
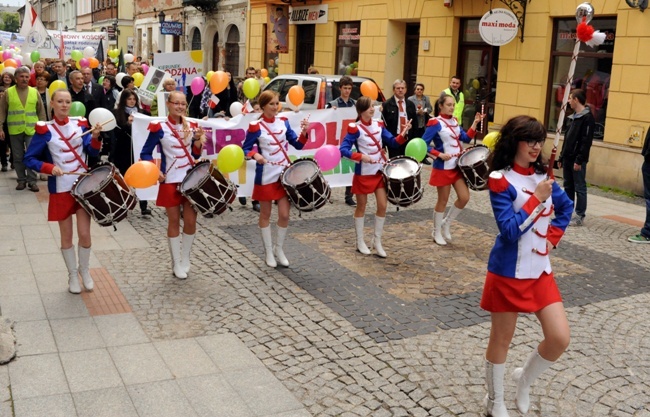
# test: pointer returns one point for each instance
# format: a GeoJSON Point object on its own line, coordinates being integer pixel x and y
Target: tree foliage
{"type": "Point", "coordinates": [9, 22]}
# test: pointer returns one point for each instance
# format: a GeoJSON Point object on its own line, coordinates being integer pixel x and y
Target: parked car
{"type": "Point", "coordinates": [319, 89]}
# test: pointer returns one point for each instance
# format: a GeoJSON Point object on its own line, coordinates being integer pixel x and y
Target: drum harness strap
{"type": "Point", "coordinates": [454, 135]}
{"type": "Point", "coordinates": [180, 141]}
{"type": "Point", "coordinates": [277, 142]}
{"type": "Point", "coordinates": [69, 145]}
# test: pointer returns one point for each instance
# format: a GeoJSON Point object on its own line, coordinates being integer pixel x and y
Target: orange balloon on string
{"type": "Point", "coordinates": [142, 174]}
{"type": "Point", "coordinates": [296, 95]}
{"type": "Point", "coordinates": [369, 89]}
{"type": "Point", "coordinates": [218, 82]}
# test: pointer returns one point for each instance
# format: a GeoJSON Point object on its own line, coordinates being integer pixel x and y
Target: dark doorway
{"type": "Point", "coordinates": [215, 52]}
{"type": "Point", "coordinates": [232, 51]}
{"type": "Point", "coordinates": [411, 56]}
{"type": "Point", "coordinates": [305, 35]}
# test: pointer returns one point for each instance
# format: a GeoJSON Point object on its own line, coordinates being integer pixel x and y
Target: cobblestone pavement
{"type": "Point", "coordinates": [361, 336]}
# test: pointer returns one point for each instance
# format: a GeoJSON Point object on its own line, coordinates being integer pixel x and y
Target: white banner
{"type": "Point", "coordinates": [326, 127]}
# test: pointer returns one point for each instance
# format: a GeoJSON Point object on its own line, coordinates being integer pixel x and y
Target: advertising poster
{"type": "Point", "coordinates": [277, 38]}
{"type": "Point", "coordinates": [181, 66]}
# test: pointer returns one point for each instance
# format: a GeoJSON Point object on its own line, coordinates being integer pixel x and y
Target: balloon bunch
{"type": "Point", "coordinates": [85, 59]}
{"type": "Point", "coordinates": [352, 69]}
{"type": "Point", "coordinates": [114, 55]}
{"type": "Point", "coordinates": [10, 59]}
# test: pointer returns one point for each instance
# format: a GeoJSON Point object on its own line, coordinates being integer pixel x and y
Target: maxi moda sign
{"type": "Point", "coordinates": [307, 15]}
{"type": "Point", "coordinates": [498, 27]}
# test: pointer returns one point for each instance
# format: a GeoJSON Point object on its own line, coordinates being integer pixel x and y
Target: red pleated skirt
{"type": "Point", "coordinates": [268, 192]}
{"type": "Point", "coordinates": [61, 206]}
{"type": "Point", "coordinates": [442, 177]}
{"type": "Point", "coordinates": [503, 294]}
{"type": "Point", "coordinates": [169, 196]}
{"type": "Point", "coordinates": [367, 184]}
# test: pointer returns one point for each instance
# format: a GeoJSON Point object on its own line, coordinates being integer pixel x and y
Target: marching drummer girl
{"type": "Point", "coordinates": [271, 134]}
{"type": "Point", "coordinates": [447, 135]}
{"type": "Point", "coordinates": [368, 137]}
{"type": "Point", "coordinates": [58, 149]}
{"type": "Point", "coordinates": [181, 142]}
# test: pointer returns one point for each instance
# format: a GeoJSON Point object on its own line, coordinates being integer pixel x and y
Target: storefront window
{"type": "Point", "coordinates": [592, 73]}
{"type": "Point", "coordinates": [347, 47]}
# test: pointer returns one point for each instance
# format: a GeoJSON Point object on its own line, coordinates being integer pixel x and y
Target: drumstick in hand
{"type": "Point", "coordinates": [89, 131]}
{"type": "Point", "coordinates": [77, 173]}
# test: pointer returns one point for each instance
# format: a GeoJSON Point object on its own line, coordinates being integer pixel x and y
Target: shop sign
{"type": "Point", "coordinates": [308, 14]}
{"type": "Point", "coordinates": [498, 27]}
{"type": "Point", "coordinates": [171, 28]}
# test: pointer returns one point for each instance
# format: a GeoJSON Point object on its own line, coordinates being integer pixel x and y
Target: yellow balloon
{"type": "Point", "coordinates": [57, 85]}
{"type": "Point", "coordinates": [2, 67]}
{"type": "Point", "coordinates": [490, 140]}
{"type": "Point", "coordinates": [137, 79]}
{"type": "Point", "coordinates": [476, 84]}
{"type": "Point", "coordinates": [209, 75]}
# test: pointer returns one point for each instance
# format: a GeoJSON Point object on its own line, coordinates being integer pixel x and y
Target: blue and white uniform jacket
{"type": "Point", "coordinates": [47, 150]}
{"type": "Point", "coordinates": [446, 135]}
{"type": "Point", "coordinates": [271, 146]}
{"type": "Point", "coordinates": [167, 134]}
{"type": "Point", "coordinates": [368, 139]}
{"type": "Point", "coordinates": [525, 224]}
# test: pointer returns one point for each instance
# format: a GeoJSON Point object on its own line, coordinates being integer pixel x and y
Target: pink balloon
{"type": "Point", "coordinates": [197, 86]}
{"type": "Point", "coordinates": [84, 62]}
{"type": "Point", "coordinates": [6, 55]}
{"type": "Point", "coordinates": [145, 68]}
{"type": "Point", "coordinates": [327, 157]}
{"type": "Point", "coordinates": [19, 63]}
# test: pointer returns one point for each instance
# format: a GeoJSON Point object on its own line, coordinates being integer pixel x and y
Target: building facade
{"type": "Point", "coordinates": [429, 41]}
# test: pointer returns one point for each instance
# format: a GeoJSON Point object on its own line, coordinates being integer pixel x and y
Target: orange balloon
{"type": "Point", "coordinates": [369, 89]}
{"type": "Point", "coordinates": [264, 72]}
{"type": "Point", "coordinates": [94, 62]}
{"type": "Point", "coordinates": [296, 95]}
{"type": "Point", "coordinates": [11, 63]}
{"type": "Point", "coordinates": [142, 174]}
{"type": "Point", "coordinates": [218, 82]}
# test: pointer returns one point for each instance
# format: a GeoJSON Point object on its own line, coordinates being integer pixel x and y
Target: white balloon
{"type": "Point", "coordinates": [118, 78]}
{"type": "Point", "coordinates": [236, 108]}
{"type": "Point", "coordinates": [89, 52]}
{"type": "Point", "coordinates": [128, 58]}
{"type": "Point", "coordinates": [27, 60]}
{"type": "Point", "coordinates": [103, 116]}
{"type": "Point", "coordinates": [10, 70]}
{"type": "Point", "coordinates": [18, 58]}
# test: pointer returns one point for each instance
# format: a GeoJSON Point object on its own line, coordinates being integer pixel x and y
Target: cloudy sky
{"type": "Point", "coordinates": [13, 2]}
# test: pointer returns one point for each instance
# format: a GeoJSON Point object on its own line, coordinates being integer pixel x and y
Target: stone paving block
{"type": "Point", "coordinates": [76, 334]}
{"type": "Point", "coordinates": [64, 305]}
{"type": "Point", "coordinates": [211, 395]}
{"type": "Point", "coordinates": [34, 338]}
{"type": "Point", "coordinates": [41, 246]}
{"type": "Point", "coordinates": [228, 352]}
{"type": "Point", "coordinates": [88, 370]}
{"type": "Point", "coordinates": [22, 307]}
{"type": "Point", "coordinates": [120, 329]}
{"type": "Point", "coordinates": [60, 405]}
{"type": "Point", "coordinates": [36, 231]}
{"type": "Point", "coordinates": [160, 399]}
{"type": "Point", "coordinates": [12, 247]}
{"type": "Point", "coordinates": [294, 413]}
{"type": "Point", "coordinates": [18, 284]}
{"type": "Point", "coordinates": [37, 376]}
{"type": "Point", "coordinates": [263, 393]}
{"type": "Point", "coordinates": [185, 358]}
{"type": "Point", "coordinates": [9, 231]}
{"type": "Point", "coordinates": [139, 364]}
{"type": "Point", "coordinates": [107, 402]}
{"type": "Point", "coordinates": [53, 282]}
{"type": "Point", "coordinates": [46, 263]}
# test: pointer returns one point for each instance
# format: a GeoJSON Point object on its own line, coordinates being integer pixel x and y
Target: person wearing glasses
{"type": "Point", "coordinates": [446, 134]}
{"type": "Point", "coordinates": [532, 213]}
{"type": "Point", "coordinates": [181, 142]}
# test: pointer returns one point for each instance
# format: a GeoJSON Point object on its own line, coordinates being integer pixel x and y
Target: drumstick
{"type": "Point", "coordinates": [90, 131]}
{"type": "Point", "coordinates": [76, 173]}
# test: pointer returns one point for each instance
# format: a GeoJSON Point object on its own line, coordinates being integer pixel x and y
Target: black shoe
{"type": "Point", "coordinates": [4, 168]}
{"type": "Point", "coordinates": [350, 201]}
{"type": "Point", "coordinates": [256, 207]}
{"type": "Point", "coordinates": [146, 212]}
{"type": "Point", "coordinates": [242, 201]}
{"type": "Point", "coordinates": [21, 186]}
{"type": "Point", "coordinates": [33, 187]}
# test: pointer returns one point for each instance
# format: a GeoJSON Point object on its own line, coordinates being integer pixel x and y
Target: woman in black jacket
{"type": "Point", "coordinates": [123, 149]}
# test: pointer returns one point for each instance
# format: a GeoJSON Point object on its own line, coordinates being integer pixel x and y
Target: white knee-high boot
{"type": "Point", "coordinates": [268, 246]}
{"type": "Point", "coordinates": [84, 268]}
{"type": "Point", "coordinates": [437, 227]}
{"type": "Point", "coordinates": [451, 216]}
{"type": "Point", "coordinates": [186, 249]}
{"type": "Point", "coordinates": [70, 258]}
{"type": "Point", "coordinates": [376, 242]}
{"type": "Point", "coordinates": [525, 377]}
{"type": "Point", "coordinates": [278, 250]}
{"type": "Point", "coordinates": [175, 250]}
{"type": "Point", "coordinates": [494, 402]}
{"type": "Point", "coordinates": [361, 244]}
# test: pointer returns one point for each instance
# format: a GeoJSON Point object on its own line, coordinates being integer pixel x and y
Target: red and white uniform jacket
{"type": "Point", "coordinates": [272, 137]}
{"type": "Point", "coordinates": [47, 150]}
{"type": "Point", "coordinates": [525, 224]}
{"type": "Point", "coordinates": [170, 137]}
{"type": "Point", "coordinates": [446, 135]}
{"type": "Point", "coordinates": [368, 139]}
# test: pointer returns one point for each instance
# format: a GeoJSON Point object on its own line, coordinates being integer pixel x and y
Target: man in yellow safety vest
{"type": "Point", "coordinates": [455, 91]}
{"type": "Point", "coordinates": [21, 107]}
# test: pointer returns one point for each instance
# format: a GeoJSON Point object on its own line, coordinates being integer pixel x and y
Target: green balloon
{"type": "Point", "coordinates": [101, 80]}
{"type": "Point", "coordinates": [416, 149]}
{"type": "Point", "coordinates": [35, 56]}
{"type": "Point", "coordinates": [77, 108]}
{"type": "Point", "coordinates": [251, 88]}
{"type": "Point", "coordinates": [76, 55]}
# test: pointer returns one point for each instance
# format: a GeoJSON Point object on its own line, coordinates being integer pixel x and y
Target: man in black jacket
{"type": "Point", "coordinates": [396, 111]}
{"type": "Point", "coordinates": [644, 235]}
{"type": "Point", "coordinates": [575, 153]}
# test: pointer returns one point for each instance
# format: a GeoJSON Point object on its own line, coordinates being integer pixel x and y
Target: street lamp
{"type": "Point", "coordinates": [116, 31]}
{"type": "Point", "coordinates": [161, 17]}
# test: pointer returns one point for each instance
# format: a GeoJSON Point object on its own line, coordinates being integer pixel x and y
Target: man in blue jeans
{"type": "Point", "coordinates": [644, 236]}
{"type": "Point", "coordinates": [575, 153]}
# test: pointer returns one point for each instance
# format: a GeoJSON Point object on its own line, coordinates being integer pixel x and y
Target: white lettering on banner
{"type": "Point", "coordinates": [308, 14]}
{"type": "Point", "coordinates": [326, 127]}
